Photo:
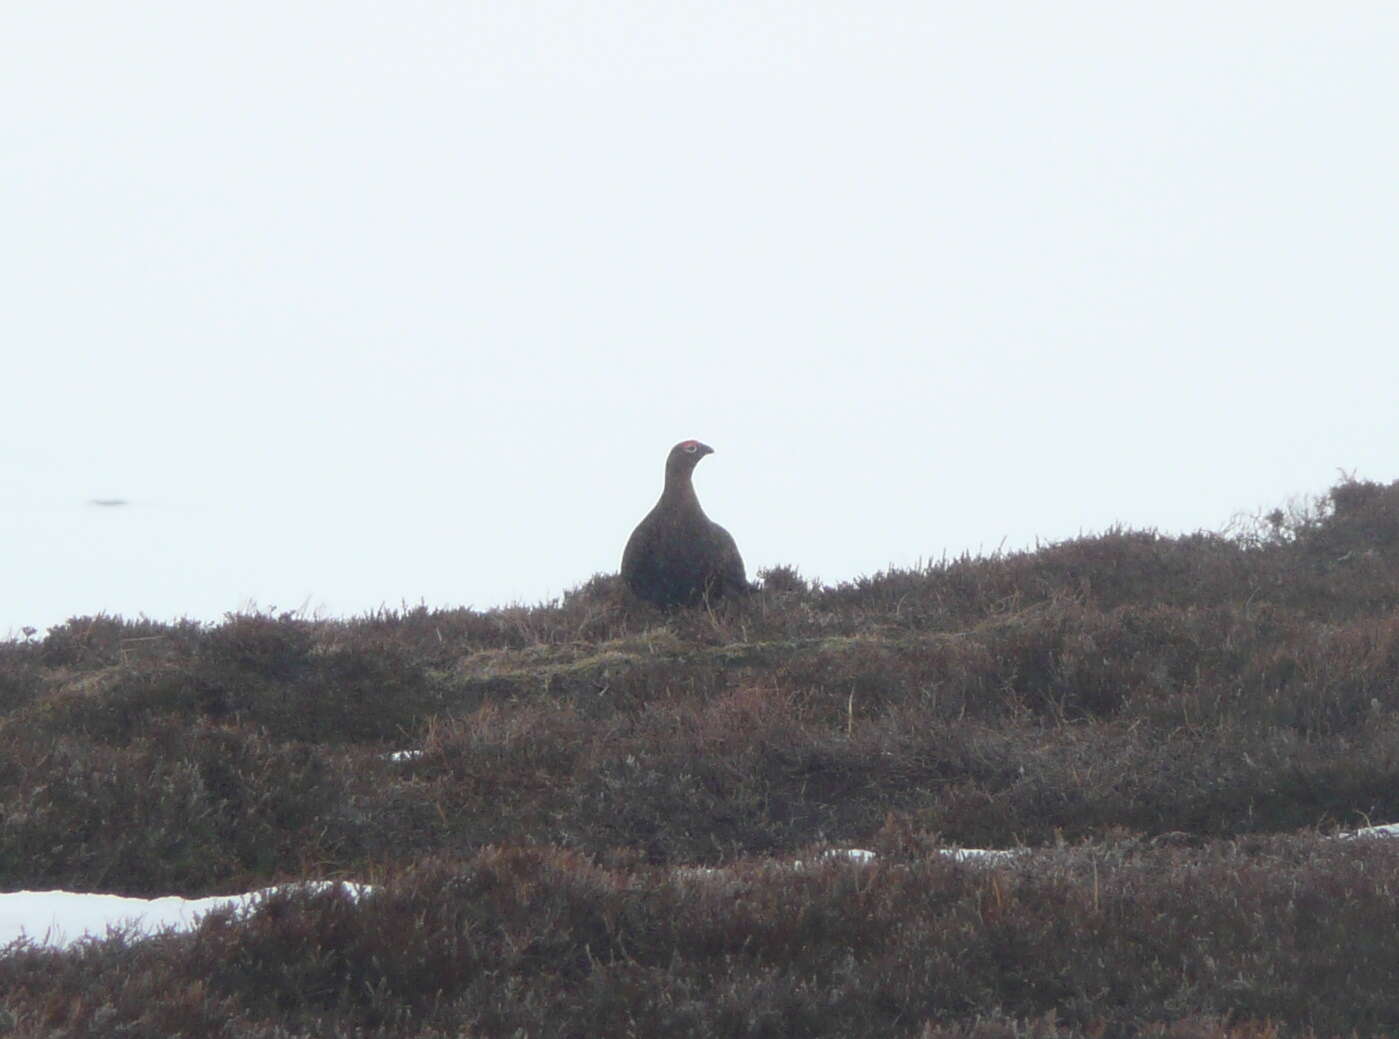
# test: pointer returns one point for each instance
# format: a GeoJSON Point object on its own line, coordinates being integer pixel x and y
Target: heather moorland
{"type": "Point", "coordinates": [612, 820]}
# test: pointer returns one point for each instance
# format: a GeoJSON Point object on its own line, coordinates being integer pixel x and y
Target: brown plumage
{"type": "Point", "coordinates": [678, 556]}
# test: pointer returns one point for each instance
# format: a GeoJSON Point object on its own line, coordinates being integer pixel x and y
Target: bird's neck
{"type": "Point", "coordinates": [679, 490]}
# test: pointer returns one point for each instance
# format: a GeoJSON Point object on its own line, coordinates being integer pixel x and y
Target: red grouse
{"type": "Point", "coordinates": [678, 556]}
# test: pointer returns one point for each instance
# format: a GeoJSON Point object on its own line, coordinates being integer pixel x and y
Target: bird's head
{"type": "Point", "coordinates": [685, 455]}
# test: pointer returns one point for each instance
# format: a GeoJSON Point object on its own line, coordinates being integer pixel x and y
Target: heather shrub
{"type": "Point", "coordinates": [1272, 937]}
{"type": "Point", "coordinates": [178, 808]}
{"type": "Point", "coordinates": [88, 642]}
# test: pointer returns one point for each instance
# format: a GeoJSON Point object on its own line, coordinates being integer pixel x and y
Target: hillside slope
{"type": "Point", "coordinates": [1140, 704]}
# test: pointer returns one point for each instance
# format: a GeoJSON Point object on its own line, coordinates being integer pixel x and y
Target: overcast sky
{"type": "Point", "coordinates": [363, 304]}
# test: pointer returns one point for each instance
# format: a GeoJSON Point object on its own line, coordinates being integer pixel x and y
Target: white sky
{"type": "Point", "coordinates": [367, 303]}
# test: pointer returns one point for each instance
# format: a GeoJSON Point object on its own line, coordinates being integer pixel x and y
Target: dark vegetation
{"type": "Point", "coordinates": [1176, 724]}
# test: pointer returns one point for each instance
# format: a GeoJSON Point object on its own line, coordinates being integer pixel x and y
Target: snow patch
{"type": "Point", "coordinates": [59, 919]}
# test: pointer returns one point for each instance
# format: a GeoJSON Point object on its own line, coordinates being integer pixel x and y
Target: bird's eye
{"type": "Point", "coordinates": [691, 447]}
